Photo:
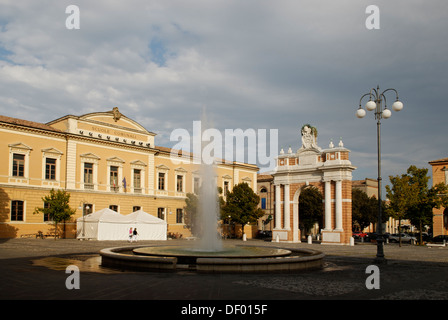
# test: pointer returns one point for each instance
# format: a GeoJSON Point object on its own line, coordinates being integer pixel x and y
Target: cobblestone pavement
{"type": "Point", "coordinates": [34, 269]}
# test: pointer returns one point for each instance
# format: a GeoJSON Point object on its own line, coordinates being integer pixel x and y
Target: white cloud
{"type": "Point", "coordinates": [252, 64]}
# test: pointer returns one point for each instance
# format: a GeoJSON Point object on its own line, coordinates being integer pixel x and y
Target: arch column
{"type": "Point", "coordinates": [328, 226]}
{"type": "Point", "coordinates": [286, 209]}
{"type": "Point", "coordinates": [278, 216]}
{"type": "Point", "coordinates": [295, 218]}
{"type": "Point", "coordinates": [338, 196]}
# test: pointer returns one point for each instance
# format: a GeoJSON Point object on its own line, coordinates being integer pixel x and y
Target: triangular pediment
{"type": "Point", "coordinates": [162, 167]}
{"type": "Point", "coordinates": [138, 163]}
{"type": "Point", "coordinates": [52, 150]}
{"type": "Point", "coordinates": [20, 145]}
{"type": "Point", "coordinates": [115, 159]}
{"type": "Point", "coordinates": [90, 156]}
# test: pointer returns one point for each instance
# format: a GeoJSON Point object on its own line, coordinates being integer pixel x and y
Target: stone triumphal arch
{"type": "Point", "coordinates": [329, 170]}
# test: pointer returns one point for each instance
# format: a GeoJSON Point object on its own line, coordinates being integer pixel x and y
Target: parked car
{"type": "Point", "coordinates": [359, 234]}
{"type": "Point", "coordinates": [425, 237]}
{"type": "Point", "coordinates": [264, 234]}
{"type": "Point", "coordinates": [404, 238]}
{"type": "Point", "coordinates": [440, 239]}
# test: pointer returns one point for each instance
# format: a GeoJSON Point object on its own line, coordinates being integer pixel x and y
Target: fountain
{"type": "Point", "coordinates": [209, 254]}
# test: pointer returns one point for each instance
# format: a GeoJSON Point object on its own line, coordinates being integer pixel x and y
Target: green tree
{"type": "Point", "coordinates": [364, 209]}
{"type": "Point", "coordinates": [191, 213]}
{"type": "Point", "coordinates": [420, 213]}
{"type": "Point", "coordinates": [401, 195]}
{"type": "Point", "coordinates": [310, 208]}
{"type": "Point", "coordinates": [56, 207]}
{"type": "Point", "coordinates": [242, 205]}
{"type": "Point", "coordinates": [411, 198]}
{"type": "Point", "coordinates": [191, 218]}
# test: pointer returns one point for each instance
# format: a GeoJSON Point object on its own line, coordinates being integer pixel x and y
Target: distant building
{"type": "Point", "coordinates": [266, 193]}
{"type": "Point", "coordinates": [368, 185]}
{"type": "Point", "coordinates": [440, 174]}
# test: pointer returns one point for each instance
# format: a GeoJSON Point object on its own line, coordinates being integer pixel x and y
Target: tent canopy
{"type": "Point", "coordinates": [142, 217]}
{"type": "Point", "coordinates": [104, 215]}
{"type": "Point", "coordinates": [107, 224]}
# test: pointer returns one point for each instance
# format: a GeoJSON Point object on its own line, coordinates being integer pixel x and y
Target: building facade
{"type": "Point", "coordinates": [330, 171]}
{"type": "Point", "coordinates": [440, 174]}
{"type": "Point", "coordinates": [104, 160]}
{"type": "Point", "coordinates": [266, 194]}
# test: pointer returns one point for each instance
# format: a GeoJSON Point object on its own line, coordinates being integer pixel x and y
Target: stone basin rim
{"type": "Point", "coordinates": [228, 252]}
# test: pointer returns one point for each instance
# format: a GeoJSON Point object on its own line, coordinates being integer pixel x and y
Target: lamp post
{"type": "Point", "coordinates": [84, 208]}
{"type": "Point", "coordinates": [376, 102]}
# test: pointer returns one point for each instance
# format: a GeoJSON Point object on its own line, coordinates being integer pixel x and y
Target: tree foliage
{"type": "Point", "coordinates": [191, 213]}
{"type": "Point", "coordinates": [242, 205]}
{"type": "Point", "coordinates": [57, 207]}
{"type": "Point", "coordinates": [192, 216]}
{"type": "Point", "coordinates": [411, 197]}
{"type": "Point", "coordinates": [310, 208]}
{"type": "Point", "coordinates": [364, 209]}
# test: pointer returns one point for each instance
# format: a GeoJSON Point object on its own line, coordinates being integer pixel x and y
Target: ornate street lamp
{"type": "Point", "coordinates": [377, 103]}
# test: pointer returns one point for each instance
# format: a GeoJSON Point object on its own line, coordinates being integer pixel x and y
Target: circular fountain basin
{"type": "Point", "coordinates": [187, 255]}
{"type": "Point", "coordinates": [234, 259]}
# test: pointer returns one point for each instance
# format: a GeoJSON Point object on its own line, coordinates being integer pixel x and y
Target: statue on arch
{"type": "Point", "coordinates": [309, 137]}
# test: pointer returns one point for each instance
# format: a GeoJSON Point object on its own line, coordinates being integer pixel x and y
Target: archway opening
{"type": "Point", "coordinates": [311, 211]}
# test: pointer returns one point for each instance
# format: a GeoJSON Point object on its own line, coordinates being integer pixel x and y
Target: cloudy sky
{"type": "Point", "coordinates": [249, 63]}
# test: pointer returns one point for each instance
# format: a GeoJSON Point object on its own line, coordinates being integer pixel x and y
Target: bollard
{"type": "Point", "coordinates": [310, 240]}
{"type": "Point", "coordinates": [244, 237]}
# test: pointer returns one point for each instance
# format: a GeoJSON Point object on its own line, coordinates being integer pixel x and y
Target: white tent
{"type": "Point", "coordinates": [104, 224]}
{"type": "Point", "coordinates": [107, 224]}
{"type": "Point", "coordinates": [148, 226]}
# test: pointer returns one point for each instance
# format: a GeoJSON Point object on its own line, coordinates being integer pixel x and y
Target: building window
{"type": "Point", "coordinates": [137, 181]}
{"type": "Point", "coordinates": [18, 165]}
{"type": "Point", "coordinates": [16, 210]}
{"type": "Point", "coordinates": [114, 178]}
{"type": "Point", "coordinates": [161, 181]}
{"type": "Point", "coordinates": [226, 188]}
{"type": "Point", "coordinates": [113, 207]}
{"type": "Point", "coordinates": [50, 169]}
{"type": "Point", "coordinates": [88, 175]}
{"type": "Point", "coordinates": [196, 185]}
{"type": "Point", "coordinates": [263, 192]}
{"type": "Point", "coordinates": [180, 183]}
{"type": "Point", "coordinates": [136, 208]}
{"type": "Point", "coordinates": [179, 216]}
{"type": "Point", "coordinates": [161, 213]}
{"type": "Point", "coordinates": [263, 203]}
{"type": "Point", "coordinates": [46, 215]}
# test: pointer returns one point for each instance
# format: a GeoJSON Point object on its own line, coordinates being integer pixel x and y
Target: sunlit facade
{"type": "Point", "coordinates": [104, 160]}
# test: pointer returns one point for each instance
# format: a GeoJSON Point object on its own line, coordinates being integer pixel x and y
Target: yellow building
{"type": "Point", "coordinates": [104, 160]}
{"type": "Point", "coordinates": [440, 174]}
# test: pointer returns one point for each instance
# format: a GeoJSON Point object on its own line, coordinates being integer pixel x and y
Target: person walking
{"type": "Point", "coordinates": [131, 234]}
{"type": "Point", "coordinates": [135, 234]}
